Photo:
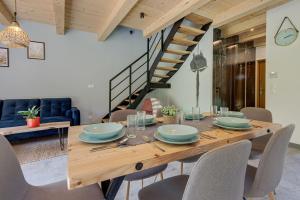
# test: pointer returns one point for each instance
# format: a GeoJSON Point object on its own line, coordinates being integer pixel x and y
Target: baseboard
{"type": "Point", "coordinates": [293, 145]}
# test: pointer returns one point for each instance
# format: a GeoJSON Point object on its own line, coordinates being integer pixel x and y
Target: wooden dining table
{"type": "Point", "coordinates": [110, 166]}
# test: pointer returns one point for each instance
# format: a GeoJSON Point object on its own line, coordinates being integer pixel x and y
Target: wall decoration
{"type": "Point", "coordinates": [36, 50]}
{"type": "Point", "coordinates": [198, 64]}
{"type": "Point", "coordinates": [4, 57]}
{"type": "Point", "coordinates": [286, 35]}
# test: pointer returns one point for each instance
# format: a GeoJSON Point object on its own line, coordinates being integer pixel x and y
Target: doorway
{"type": "Point", "coordinates": [261, 84]}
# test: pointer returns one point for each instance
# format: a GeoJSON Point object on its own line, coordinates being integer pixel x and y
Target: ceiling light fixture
{"type": "Point", "coordinates": [13, 35]}
{"type": "Point", "coordinates": [252, 29]}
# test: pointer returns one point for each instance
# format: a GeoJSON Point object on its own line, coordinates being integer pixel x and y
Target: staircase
{"type": "Point", "coordinates": [152, 70]}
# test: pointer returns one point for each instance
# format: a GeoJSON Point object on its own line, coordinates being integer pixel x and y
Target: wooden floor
{"type": "Point", "coordinates": [54, 169]}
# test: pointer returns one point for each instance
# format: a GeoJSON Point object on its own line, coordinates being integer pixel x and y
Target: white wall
{"type": "Point", "coordinates": [183, 83]}
{"type": "Point", "coordinates": [73, 61]}
{"type": "Point", "coordinates": [282, 93]}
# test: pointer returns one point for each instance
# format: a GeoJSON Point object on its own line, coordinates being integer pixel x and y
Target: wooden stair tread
{"type": "Point", "coordinates": [160, 76]}
{"type": "Point", "coordinates": [197, 19]}
{"type": "Point", "coordinates": [190, 30]}
{"type": "Point", "coordinates": [177, 52]}
{"type": "Point", "coordinates": [122, 107]}
{"type": "Point", "coordinates": [183, 41]}
{"type": "Point", "coordinates": [166, 68]}
{"type": "Point", "coordinates": [171, 60]}
{"type": "Point", "coordinates": [127, 100]}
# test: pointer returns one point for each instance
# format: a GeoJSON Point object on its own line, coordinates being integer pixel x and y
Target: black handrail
{"type": "Point", "coordinates": [131, 69]}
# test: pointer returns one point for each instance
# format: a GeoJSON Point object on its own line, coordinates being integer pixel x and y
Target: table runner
{"type": "Point", "coordinates": [202, 125]}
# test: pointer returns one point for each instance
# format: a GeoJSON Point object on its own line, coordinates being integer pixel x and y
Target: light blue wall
{"type": "Point", "coordinates": [73, 61]}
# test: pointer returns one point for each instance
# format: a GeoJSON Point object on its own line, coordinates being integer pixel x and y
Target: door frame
{"type": "Point", "coordinates": [257, 81]}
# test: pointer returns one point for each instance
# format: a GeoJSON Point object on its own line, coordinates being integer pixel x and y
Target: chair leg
{"type": "Point", "coordinates": [128, 190]}
{"type": "Point", "coordinates": [161, 176]}
{"type": "Point", "coordinates": [271, 196]}
{"type": "Point", "coordinates": [142, 183]}
{"type": "Point", "coordinates": [181, 168]}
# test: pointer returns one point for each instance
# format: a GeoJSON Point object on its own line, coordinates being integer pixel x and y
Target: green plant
{"type": "Point", "coordinates": [169, 110]}
{"type": "Point", "coordinates": [31, 113]}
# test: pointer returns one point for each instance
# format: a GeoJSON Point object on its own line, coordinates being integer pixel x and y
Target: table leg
{"type": "Point", "coordinates": [111, 188]}
{"type": "Point", "coordinates": [61, 138]}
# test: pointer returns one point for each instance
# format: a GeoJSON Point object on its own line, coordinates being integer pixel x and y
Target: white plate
{"type": "Point", "coordinates": [162, 139]}
{"type": "Point", "coordinates": [84, 138]}
{"type": "Point", "coordinates": [232, 128]}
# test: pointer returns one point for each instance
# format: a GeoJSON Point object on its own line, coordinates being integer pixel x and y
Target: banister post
{"type": "Point", "coordinates": [148, 61]}
{"type": "Point", "coordinates": [130, 81]}
{"type": "Point", "coordinates": [109, 97]}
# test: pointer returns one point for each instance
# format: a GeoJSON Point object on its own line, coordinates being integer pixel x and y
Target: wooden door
{"type": "Point", "coordinates": [261, 84]}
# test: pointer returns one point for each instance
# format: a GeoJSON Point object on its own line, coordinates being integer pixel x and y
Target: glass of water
{"type": "Point", "coordinates": [131, 124]}
{"type": "Point", "coordinates": [214, 111]}
{"type": "Point", "coordinates": [179, 117]}
{"type": "Point", "coordinates": [140, 120]}
{"type": "Point", "coordinates": [196, 113]}
{"type": "Point", "coordinates": [224, 111]}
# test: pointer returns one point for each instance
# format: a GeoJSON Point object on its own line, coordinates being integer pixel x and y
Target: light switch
{"type": "Point", "coordinates": [91, 85]}
{"type": "Point", "coordinates": [273, 75]}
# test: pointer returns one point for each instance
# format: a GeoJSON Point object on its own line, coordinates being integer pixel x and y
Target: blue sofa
{"type": "Point", "coordinates": [52, 110]}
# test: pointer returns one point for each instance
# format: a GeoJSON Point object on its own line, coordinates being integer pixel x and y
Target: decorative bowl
{"type": "Point", "coordinates": [103, 130]}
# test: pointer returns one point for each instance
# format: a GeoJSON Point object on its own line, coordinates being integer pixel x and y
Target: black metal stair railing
{"type": "Point", "coordinates": [136, 75]}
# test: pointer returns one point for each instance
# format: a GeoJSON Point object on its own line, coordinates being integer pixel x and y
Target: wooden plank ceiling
{"type": "Point", "coordinates": [103, 16]}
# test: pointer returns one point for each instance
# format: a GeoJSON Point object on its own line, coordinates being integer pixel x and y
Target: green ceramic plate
{"type": "Point", "coordinates": [177, 132]}
{"type": "Point", "coordinates": [190, 117]}
{"type": "Point", "coordinates": [162, 139]}
{"type": "Point", "coordinates": [232, 128]}
{"type": "Point", "coordinates": [234, 114]}
{"type": "Point", "coordinates": [233, 122]}
{"type": "Point", "coordinates": [149, 119]}
{"type": "Point", "coordinates": [103, 130]}
{"type": "Point", "coordinates": [85, 138]}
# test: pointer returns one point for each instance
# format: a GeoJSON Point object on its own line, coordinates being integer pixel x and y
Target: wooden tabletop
{"type": "Point", "coordinates": [24, 129]}
{"type": "Point", "coordinates": [86, 167]}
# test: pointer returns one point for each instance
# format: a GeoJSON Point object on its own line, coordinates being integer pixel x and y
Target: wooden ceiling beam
{"type": "Point", "coordinates": [236, 28]}
{"type": "Point", "coordinates": [5, 15]}
{"type": "Point", "coordinates": [179, 11]}
{"type": "Point", "coordinates": [250, 36]}
{"type": "Point", "coordinates": [59, 7]}
{"type": "Point", "coordinates": [119, 12]}
{"type": "Point", "coordinates": [243, 9]}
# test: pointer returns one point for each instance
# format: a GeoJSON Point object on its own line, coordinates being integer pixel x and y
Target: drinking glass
{"type": "Point", "coordinates": [196, 113]}
{"type": "Point", "coordinates": [140, 120]}
{"type": "Point", "coordinates": [224, 111]}
{"type": "Point", "coordinates": [179, 117]}
{"type": "Point", "coordinates": [131, 124]}
{"type": "Point", "coordinates": [214, 111]}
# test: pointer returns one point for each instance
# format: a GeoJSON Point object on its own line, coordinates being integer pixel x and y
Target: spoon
{"type": "Point", "coordinates": [120, 143]}
{"type": "Point", "coordinates": [148, 140]}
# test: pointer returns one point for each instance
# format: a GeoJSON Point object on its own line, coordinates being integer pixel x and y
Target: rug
{"type": "Point", "coordinates": [37, 149]}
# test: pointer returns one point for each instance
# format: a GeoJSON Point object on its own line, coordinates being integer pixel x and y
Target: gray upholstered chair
{"type": "Point", "coordinates": [217, 175]}
{"type": "Point", "coordinates": [260, 114]}
{"type": "Point", "coordinates": [13, 185]}
{"type": "Point", "coordinates": [264, 179]}
{"type": "Point", "coordinates": [121, 115]}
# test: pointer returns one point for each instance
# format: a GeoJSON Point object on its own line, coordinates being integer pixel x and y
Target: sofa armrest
{"type": "Point", "coordinates": [74, 115]}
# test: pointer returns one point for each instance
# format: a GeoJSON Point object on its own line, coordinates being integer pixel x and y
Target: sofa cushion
{"type": "Point", "coordinates": [52, 107]}
{"type": "Point", "coordinates": [12, 123]}
{"type": "Point", "coordinates": [1, 104]}
{"type": "Point", "coordinates": [54, 119]}
{"type": "Point", "coordinates": [11, 107]}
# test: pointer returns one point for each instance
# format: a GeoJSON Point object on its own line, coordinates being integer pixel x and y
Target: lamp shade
{"type": "Point", "coordinates": [14, 37]}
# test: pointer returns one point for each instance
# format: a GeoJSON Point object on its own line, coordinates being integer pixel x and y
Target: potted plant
{"type": "Point", "coordinates": [31, 116]}
{"type": "Point", "coordinates": [169, 114]}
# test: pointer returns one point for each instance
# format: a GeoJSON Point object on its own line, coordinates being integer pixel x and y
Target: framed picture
{"type": "Point", "coordinates": [36, 50]}
{"type": "Point", "coordinates": [4, 57]}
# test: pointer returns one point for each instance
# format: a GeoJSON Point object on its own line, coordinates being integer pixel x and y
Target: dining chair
{"type": "Point", "coordinates": [218, 175]}
{"type": "Point", "coordinates": [264, 179]}
{"type": "Point", "coordinates": [13, 185]}
{"type": "Point", "coordinates": [260, 114]}
{"type": "Point", "coordinates": [121, 115]}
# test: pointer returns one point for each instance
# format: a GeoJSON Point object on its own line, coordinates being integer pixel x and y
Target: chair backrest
{"type": "Point", "coordinates": [219, 174]}
{"type": "Point", "coordinates": [259, 114]}
{"type": "Point", "coordinates": [12, 182]}
{"type": "Point", "coordinates": [271, 164]}
{"type": "Point", "coordinates": [121, 115]}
